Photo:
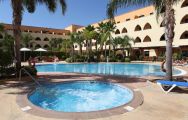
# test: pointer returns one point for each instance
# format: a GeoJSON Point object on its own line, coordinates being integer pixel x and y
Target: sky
{"type": "Point", "coordinates": [79, 12]}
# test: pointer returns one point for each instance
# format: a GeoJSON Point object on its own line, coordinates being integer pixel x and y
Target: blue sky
{"type": "Point", "coordinates": [80, 12]}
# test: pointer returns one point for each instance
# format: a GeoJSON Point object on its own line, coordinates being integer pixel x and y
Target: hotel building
{"type": "Point", "coordinates": [41, 36]}
{"type": "Point", "coordinates": [148, 32]}
{"type": "Point", "coordinates": [140, 24]}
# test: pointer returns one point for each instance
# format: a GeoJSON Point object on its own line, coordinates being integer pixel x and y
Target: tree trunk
{"type": "Point", "coordinates": [114, 51]}
{"type": "Point", "coordinates": [105, 51]}
{"type": "Point", "coordinates": [80, 49]}
{"type": "Point", "coordinates": [169, 35]}
{"type": "Point", "coordinates": [17, 18]}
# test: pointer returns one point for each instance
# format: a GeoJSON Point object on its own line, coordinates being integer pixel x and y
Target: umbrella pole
{"type": "Point", "coordinates": [24, 56]}
{"type": "Point", "coordinates": [40, 55]}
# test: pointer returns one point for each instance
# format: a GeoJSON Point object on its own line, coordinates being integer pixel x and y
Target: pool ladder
{"type": "Point", "coordinates": [24, 70]}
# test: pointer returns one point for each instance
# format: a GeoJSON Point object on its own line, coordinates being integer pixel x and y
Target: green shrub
{"type": "Point", "coordinates": [127, 60]}
{"type": "Point", "coordinates": [10, 72]}
{"type": "Point", "coordinates": [112, 59]}
{"type": "Point", "coordinates": [7, 72]}
{"type": "Point", "coordinates": [6, 58]}
{"type": "Point", "coordinates": [31, 70]}
{"type": "Point", "coordinates": [69, 60]}
{"type": "Point", "coordinates": [80, 59]}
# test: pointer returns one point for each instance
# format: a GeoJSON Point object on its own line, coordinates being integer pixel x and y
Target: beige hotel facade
{"type": "Point", "coordinates": [148, 32]}
{"type": "Point", "coordinates": [140, 24]}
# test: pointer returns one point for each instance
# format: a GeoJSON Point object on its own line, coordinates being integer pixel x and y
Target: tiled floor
{"type": "Point", "coordinates": [156, 106]}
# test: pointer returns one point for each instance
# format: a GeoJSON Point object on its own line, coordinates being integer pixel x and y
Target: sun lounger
{"type": "Point", "coordinates": [173, 84]}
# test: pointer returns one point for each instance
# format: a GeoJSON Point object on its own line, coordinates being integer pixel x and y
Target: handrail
{"type": "Point", "coordinates": [20, 76]}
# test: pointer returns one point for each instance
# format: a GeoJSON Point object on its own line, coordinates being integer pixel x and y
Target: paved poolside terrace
{"type": "Point", "coordinates": [156, 105]}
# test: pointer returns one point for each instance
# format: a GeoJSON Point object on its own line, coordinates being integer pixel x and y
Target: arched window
{"type": "Point", "coordinates": [162, 37]}
{"type": "Point", "coordinates": [1, 44]}
{"type": "Point", "coordinates": [117, 31]}
{"type": "Point", "coordinates": [184, 19]}
{"type": "Point", "coordinates": [138, 28]}
{"type": "Point", "coordinates": [38, 39]}
{"type": "Point", "coordinates": [37, 46]}
{"type": "Point", "coordinates": [1, 36]}
{"type": "Point", "coordinates": [163, 10]}
{"type": "Point", "coordinates": [184, 35]}
{"type": "Point", "coordinates": [31, 45]}
{"type": "Point", "coordinates": [137, 40]}
{"type": "Point", "coordinates": [46, 39]}
{"type": "Point", "coordinates": [162, 24]}
{"type": "Point", "coordinates": [147, 26]}
{"type": "Point", "coordinates": [124, 30]}
{"type": "Point", "coordinates": [185, 4]}
{"type": "Point", "coordinates": [46, 46]}
{"type": "Point", "coordinates": [75, 46]}
{"type": "Point", "coordinates": [136, 17]}
{"type": "Point", "coordinates": [147, 39]}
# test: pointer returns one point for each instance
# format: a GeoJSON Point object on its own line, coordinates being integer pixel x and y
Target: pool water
{"type": "Point", "coordinates": [106, 68]}
{"type": "Point", "coordinates": [81, 96]}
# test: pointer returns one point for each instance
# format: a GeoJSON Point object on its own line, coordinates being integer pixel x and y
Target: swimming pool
{"type": "Point", "coordinates": [81, 96]}
{"type": "Point", "coordinates": [106, 68]}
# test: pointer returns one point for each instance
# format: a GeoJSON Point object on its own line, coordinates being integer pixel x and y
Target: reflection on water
{"type": "Point", "coordinates": [112, 69]}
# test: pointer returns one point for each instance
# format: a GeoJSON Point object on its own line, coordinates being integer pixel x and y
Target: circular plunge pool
{"type": "Point", "coordinates": [80, 96]}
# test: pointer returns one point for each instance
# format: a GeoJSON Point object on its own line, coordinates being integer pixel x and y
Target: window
{"type": "Point", "coordinates": [124, 30]}
{"type": "Point", "coordinates": [184, 35]}
{"type": "Point", "coordinates": [38, 39]}
{"type": "Point", "coordinates": [46, 39]}
{"type": "Point", "coordinates": [185, 4]}
{"type": "Point", "coordinates": [46, 46]}
{"type": "Point", "coordinates": [138, 28]}
{"type": "Point", "coordinates": [128, 19]}
{"type": "Point", "coordinates": [137, 40]}
{"type": "Point", "coordinates": [31, 45]}
{"type": "Point", "coordinates": [37, 46]}
{"type": "Point", "coordinates": [146, 53]}
{"type": "Point", "coordinates": [151, 13]}
{"type": "Point", "coordinates": [162, 37]}
{"type": "Point", "coordinates": [184, 19]}
{"type": "Point", "coordinates": [1, 44]}
{"type": "Point", "coordinates": [75, 46]}
{"type": "Point", "coordinates": [162, 24]}
{"type": "Point", "coordinates": [147, 26]}
{"type": "Point", "coordinates": [117, 31]}
{"type": "Point", "coordinates": [147, 39]}
{"type": "Point", "coordinates": [118, 22]}
{"type": "Point", "coordinates": [136, 17]}
{"type": "Point", "coordinates": [185, 53]}
{"type": "Point", "coordinates": [163, 10]}
{"type": "Point", "coordinates": [1, 36]}
{"type": "Point", "coordinates": [141, 16]}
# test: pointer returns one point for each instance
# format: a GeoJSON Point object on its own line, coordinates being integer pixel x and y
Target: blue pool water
{"type": "Point", "coordinates": [81, 96]}
{"type": "Point", "coordinates": [108, 68]}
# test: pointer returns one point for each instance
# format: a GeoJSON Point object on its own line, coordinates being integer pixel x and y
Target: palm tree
{"type": "Point", "coordinates": [106, 29]}
{"type": "Point", "coordinates": [169, 19]}
{"type": "Point", "coordinates": [55, 44]}
{"type": "Point", "coordinates": [125, 42]}
{"type": "Point", "coordinates": [116, 42]}
{"type": "Point", "coordinates": [26, 39]}
{"type": "Point", "coordinates": [89, 34]}
{"type": "Point", "coordinates": [18, 7]}
{"type": "Point", "coordinates": [66, 47]}
{"type": "Point", "coordinates": [1, 27]}
{"type": "Point", "coordinates": [79, 39]}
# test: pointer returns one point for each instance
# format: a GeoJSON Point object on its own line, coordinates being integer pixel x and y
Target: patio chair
{"type": "Point", "coordinates": [173, 84]}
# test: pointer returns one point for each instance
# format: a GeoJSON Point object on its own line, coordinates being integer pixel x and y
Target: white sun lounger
{"type": "Point", "coordinates": [173, 84]}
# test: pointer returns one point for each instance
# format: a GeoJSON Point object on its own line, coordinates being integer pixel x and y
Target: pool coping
{"type": "Point", "coordinates": [138, 99]}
